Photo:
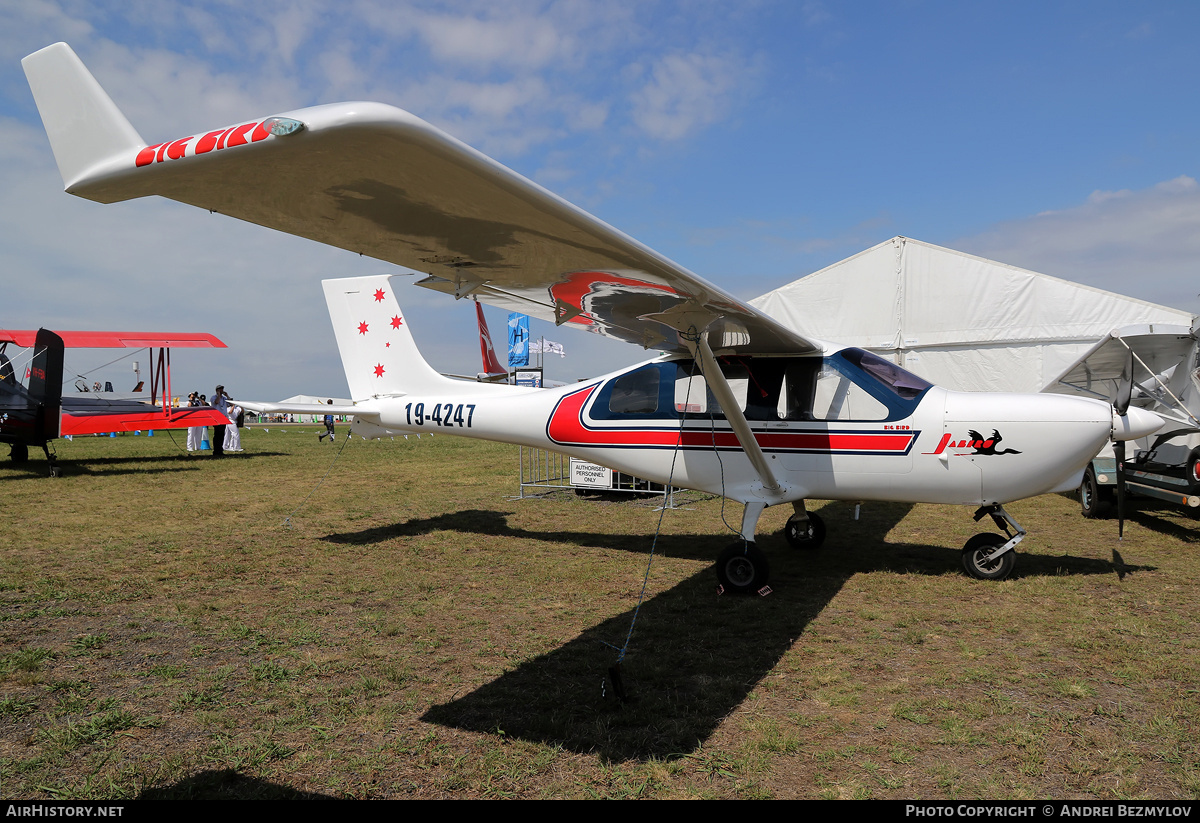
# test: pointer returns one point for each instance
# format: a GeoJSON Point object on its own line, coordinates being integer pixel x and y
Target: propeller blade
{"type": "Point", "coordinates": [1125, 388]}
{"type": "Point", "coordinates": [1119, 452]}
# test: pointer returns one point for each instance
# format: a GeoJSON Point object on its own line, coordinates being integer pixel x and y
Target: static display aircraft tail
{"type": "Point", "coordinates": [491, 363]}
{"type": "Point", "coordinates": [45, 383]}
{"type": "Point", "coordinates": [32, 415]}
{"type": "Point", "coordinates": [378, 351]}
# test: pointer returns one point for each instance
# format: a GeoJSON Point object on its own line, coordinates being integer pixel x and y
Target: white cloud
{"type": "Point", "coordinates": [1144, 243]}
{"type": "Point", "coordinates": [685, 92]}
{"type": "Point", "coordinates": [524, 41]}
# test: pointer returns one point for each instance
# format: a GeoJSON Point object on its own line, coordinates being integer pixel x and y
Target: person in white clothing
{"type": "Point", "coordinates": [195, 433]}
{"type": "Point", "coordinates": [233, 436]}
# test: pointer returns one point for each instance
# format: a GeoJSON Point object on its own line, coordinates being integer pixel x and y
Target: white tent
{"type": "Point", "coordinates": [925, 306]}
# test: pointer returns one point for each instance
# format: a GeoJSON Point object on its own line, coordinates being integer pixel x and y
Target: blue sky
{"type": "Point", "coordinates": [752, 142]}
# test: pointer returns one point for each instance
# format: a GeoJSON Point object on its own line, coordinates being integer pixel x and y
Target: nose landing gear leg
{"type": "Point", "coordinates": [992, 556]}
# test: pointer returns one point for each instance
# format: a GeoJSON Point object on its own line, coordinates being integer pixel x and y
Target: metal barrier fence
{"type": "Point", "coordinates": [551, 471]}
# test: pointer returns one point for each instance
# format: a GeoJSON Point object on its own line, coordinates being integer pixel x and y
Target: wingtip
{"type": "Point", "coordinates": [85, 128]}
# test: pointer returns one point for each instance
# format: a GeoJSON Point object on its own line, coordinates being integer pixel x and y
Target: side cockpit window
{"type": "Point", "coordinates": [636, 392]}
{"type": "Point", "coordinates": [850, 385]}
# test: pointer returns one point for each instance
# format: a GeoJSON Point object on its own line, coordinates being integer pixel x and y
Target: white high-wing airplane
{"type": "Point", "coordinates": [737, 404]}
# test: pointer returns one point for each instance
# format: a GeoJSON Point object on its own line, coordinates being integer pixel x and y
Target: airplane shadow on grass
{"type": "Point", "coordinates": [694, 657]}
{"type": "Point", "coordinates": [108, 466]}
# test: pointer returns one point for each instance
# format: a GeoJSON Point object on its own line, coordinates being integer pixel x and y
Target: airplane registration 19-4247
{"type": "Point", "coordinates": [737, 404]}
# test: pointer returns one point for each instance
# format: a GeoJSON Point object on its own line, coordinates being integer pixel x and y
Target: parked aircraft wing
{"type": "Point", "coordinates": [82, 416]}
{"type": "Point", "coordinates": [1157, 348]}
{"type": "Point", "coordinates": [379, 181]}
{"type": "Point", "coordinates": [119, 339]}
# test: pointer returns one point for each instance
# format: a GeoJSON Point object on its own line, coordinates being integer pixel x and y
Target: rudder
{"type": "Point", "coordinates": [378, 352]}
{"type": "Point", "coordinates": [45, 384]}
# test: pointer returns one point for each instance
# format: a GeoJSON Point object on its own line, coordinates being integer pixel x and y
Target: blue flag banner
{"type": "Point", "coordinates": [518, 340]}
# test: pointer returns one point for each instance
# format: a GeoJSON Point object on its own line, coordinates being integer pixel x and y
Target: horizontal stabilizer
{"type": "Point", "coordinates": [297, 408]}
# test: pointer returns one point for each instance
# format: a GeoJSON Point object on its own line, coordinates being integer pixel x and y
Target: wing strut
{"type": "Point", "coordinates": [741, 427]}
{"type": "Point", "coordinates": [1178, 403]}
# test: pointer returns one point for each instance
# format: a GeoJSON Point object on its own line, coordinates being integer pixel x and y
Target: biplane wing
{"type": "Point", "coordinates": [381, 182]}
{"type": "Point", "coordinates": [118, 339]}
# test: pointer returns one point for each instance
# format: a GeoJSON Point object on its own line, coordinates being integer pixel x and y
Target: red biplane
{"type": "Point", "coordinates": [39, 413]}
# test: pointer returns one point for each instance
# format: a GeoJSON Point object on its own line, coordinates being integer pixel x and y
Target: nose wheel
{"type": "Point", "coordinates": [981, 561]}
{"type": "Point", "coordinates": [993, 556]}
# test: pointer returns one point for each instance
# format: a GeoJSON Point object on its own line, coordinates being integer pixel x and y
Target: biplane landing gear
{"type": "Point", "coordinates": [804, 529]}
{"type": "Point", "coordinates": [992, 556]}
{"type": "Point", "coordinates": [55, 469]}
{"type": "Point", "coordinates": [19, 453]}
{"type": "Point", "coordinates": [742, 568]}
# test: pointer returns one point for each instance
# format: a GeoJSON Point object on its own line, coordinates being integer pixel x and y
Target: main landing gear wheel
{"type": "Point", "coordinates": [1094, 500]}
{"type": "Point", "coordinates": [976, 551]}
{"type": "Point", "coordinates": [742, 568]}
{"type": "Point", "coordinates": [805, 534]}
{"type": "Point", "coordinates": [19, 452]}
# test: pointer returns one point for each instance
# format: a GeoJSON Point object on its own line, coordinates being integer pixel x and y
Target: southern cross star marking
{"type": "Point", "coordinates": [362, 327]}
{"type": "Point", "coordinates": [397, 322]}
{"type": "Point", "coordinates": [379, 370]}
{"type": "Point", "coordinates": [378, 295]}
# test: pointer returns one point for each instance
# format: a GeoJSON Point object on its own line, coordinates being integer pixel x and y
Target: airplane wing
{"type": "Point", "coordinates": [381, 182]}
{"type": "Point", "coordinates": [82, 416]}
{"type": "Point", "coordinates": [1157, 350]}
{"type": "Point", "coordinates": [118, 339]}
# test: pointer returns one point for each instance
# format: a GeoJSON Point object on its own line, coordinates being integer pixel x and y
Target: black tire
{"type": "Point", "coordinates": [19, 452]}
{"type": "Point", "coordinates": [742, 568]}
{"type": "Point", "coordinates": [805, 535]}
{"type": "Point", "coordinates": [1192, 472]}
{"type": "Point", "coordinates": [1095, 501]}
{"type": "Point", "coordinates": [979, 547]}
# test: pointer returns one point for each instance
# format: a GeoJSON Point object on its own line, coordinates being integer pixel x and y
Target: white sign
{"type": "Point", "coordinates": [530, 378]}
{"type": "Point", "coordinates": [590, 475]}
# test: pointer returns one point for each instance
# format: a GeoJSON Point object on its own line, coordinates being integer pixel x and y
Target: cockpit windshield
{"type": "Point", "coordinates": [900, 382]}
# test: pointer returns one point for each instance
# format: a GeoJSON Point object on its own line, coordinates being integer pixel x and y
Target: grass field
{"type": "Point", "coordinates": [415, 632]}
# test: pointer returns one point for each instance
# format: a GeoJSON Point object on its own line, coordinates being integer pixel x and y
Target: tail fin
{"type": "Point", "coordinates": [378, 351]}
{"type": "Point", "coordinates": [45, 384]}
{"type": "Point", "coordinates": [85, 127]}
{"type": "Point", "coordinates": [491, 365]}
